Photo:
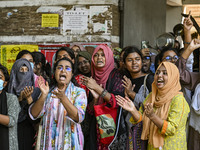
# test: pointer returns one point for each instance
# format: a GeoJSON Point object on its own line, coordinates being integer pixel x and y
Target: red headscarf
{"type": "Point", "coordinates": [101, 74]}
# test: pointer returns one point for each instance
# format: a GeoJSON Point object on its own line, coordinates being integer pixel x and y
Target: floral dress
{"type": "Point", "coordinates": [59, 132]}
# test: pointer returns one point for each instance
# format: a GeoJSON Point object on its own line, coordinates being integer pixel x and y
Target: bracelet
{"type": "Point", "coordinates": [186, 42]}
{"type": "Point", "coordinates": [103, 94]}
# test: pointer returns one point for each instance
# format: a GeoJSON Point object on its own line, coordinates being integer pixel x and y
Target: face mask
{"type": "Point", "coordinates": [1, 84]}
{"type": "Point", "coordinates": [32, 65]}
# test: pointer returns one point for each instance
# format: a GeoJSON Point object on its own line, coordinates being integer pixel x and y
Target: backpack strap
{"type": "Point", "coordinates": [145, 85]}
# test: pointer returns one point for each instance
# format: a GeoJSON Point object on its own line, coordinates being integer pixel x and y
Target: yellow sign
{"type": "Point", "coordinates": [50, 20]}
{"type": "Point", "coordinates": [9, 53]}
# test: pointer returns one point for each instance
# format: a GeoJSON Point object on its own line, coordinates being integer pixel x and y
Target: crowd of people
{"type": "Point", "coordinates": [119, 99]}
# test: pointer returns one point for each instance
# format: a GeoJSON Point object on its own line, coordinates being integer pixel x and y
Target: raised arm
{"type": "Point", "coordinates": [187, 23]}
{"type": "Point", "coordinates": [38, 105]}
{"type": "Point", "coordinates": [188, 79]}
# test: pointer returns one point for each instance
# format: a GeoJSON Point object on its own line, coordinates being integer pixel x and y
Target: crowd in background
{"type": "Point", "coordinates": [152, 100]}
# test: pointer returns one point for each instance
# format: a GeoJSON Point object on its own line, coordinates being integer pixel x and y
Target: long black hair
{"type": "Point", "coordinates": [46, 67]}
{"type": "Point", "coordinates": [73, 80]}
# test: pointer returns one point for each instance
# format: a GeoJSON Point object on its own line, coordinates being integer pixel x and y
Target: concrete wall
{"type": "Point", "coordinates": [173, 17]}
{"type": "Point", "coordinates": [191, 2]}
{"type": "Point", "coordinates": [143, 20]}
{"type": "Point", "coordinates": [21, 22]}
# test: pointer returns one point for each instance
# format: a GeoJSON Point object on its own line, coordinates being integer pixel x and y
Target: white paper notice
{"type": "Point", "coordinates": [75, 20]}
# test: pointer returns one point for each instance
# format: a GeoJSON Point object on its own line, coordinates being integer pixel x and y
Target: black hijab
{"type": "Point", "coordinates": [4, 137]}
{"type": "Point", "coordinates": [19, 80]}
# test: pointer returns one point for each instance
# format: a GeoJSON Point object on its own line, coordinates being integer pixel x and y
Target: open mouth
{"type": "Point", "coordinates": [159, 82]}
{"type": "Point", "coordinates": [62, 77]}
{"type": "Point", "coordinates": [134, 67]}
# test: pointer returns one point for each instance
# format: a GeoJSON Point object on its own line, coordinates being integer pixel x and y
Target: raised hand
{"type": "Point", "coordinates": [125, 103]}
{"type": "Point", "coordinates": [187, 22]}
{"type": "Point", "coordinates": [44, 87]}
{"type": "Point", "coordinates": [60, 93]}
{"type": "Point", "coordinates": [128, 86]}
{"type": "Point", "coordinates": [194, 45]}
{"type": "Point", "coordinates": [148, 110]}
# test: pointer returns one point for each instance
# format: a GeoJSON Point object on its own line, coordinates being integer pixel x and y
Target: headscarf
{"type": "Point", "coordinates": [19, 80]}
{"type": "Point", "coordinates": [101, 74]}
{"type": "Point", "coordinates": [78, 45]}
{"type": "Point", "coordinates": [86, 55]}
{"type": "Point", "coordinates": [161, 99]}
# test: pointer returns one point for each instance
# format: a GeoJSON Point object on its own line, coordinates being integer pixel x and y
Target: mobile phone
{"type": "Point", "coordinates": [144, 44]}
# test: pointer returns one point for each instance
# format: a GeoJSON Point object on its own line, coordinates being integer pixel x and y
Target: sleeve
{"type": "Point", "coordinates": [80, 104]}
{"type": "Point", "coordinates": [175, 116]}
{"type": "Point", "coordinates": [39, 116]}
{"type": "Point", "coordinates": [13, 110]}
{"type": "Point", "coordinates": [42, 111]}
{"type": "Point", "coordinates": [141, 110]}
{"type": "Point", "coordinates": [188, 79]}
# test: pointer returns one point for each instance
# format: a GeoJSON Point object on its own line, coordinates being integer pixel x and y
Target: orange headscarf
{"type": "Point", "coordinates": [161, 99]}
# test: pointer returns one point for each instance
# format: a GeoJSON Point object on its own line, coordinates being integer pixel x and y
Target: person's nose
{"type": "Point", "coordinates": [160, 74]}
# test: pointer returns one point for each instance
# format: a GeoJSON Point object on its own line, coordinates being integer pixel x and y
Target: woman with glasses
{"type": "Point", "coordinates": [61, 109]}
{"type": "Point", "coordinates": [169, 55]}
{"type": "Point", "coordinates": [146, 64]}
{"type": "Point", "coordinates": [84, 63]}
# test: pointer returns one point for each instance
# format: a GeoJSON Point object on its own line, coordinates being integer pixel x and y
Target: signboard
{"type": "Point", "coordinates": [50, 20]}
{"type": "Point", "coordinates": [75, 20]}
{"type": "Point", "coordinates": [9, 53]}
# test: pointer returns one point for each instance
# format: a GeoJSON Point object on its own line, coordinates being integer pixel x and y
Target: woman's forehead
{"type": "Point", "coordinates": [64, 63]}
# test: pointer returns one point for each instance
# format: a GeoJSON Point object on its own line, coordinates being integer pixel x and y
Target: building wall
{"type": "Point", "coordinates": [143, 20]}
{"type": "Point", "coordinates": [173, 17]}
{"type": "Point", "coordinates": [21, 21]}
{"type": "Point", "coordinates": [191, 2]}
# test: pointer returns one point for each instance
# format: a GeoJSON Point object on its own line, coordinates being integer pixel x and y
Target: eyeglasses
{"type": "Point", "coordinates": [146, 58]}
{"type": "Point", "coordinates": [169, 58]}
{"type": "Point", "coordinates": [83, 62]}
{"type": "Point", "coordinates": [68, 69]}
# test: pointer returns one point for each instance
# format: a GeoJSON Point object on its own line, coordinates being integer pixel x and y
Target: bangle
{"type": "Point", "coordinates": [186, 42]}
{"type": "Point", "coordinates": [103, 94]}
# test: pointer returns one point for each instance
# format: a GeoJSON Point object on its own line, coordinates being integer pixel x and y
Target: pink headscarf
{"type": "Point", "coordinates": [101, 74]}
